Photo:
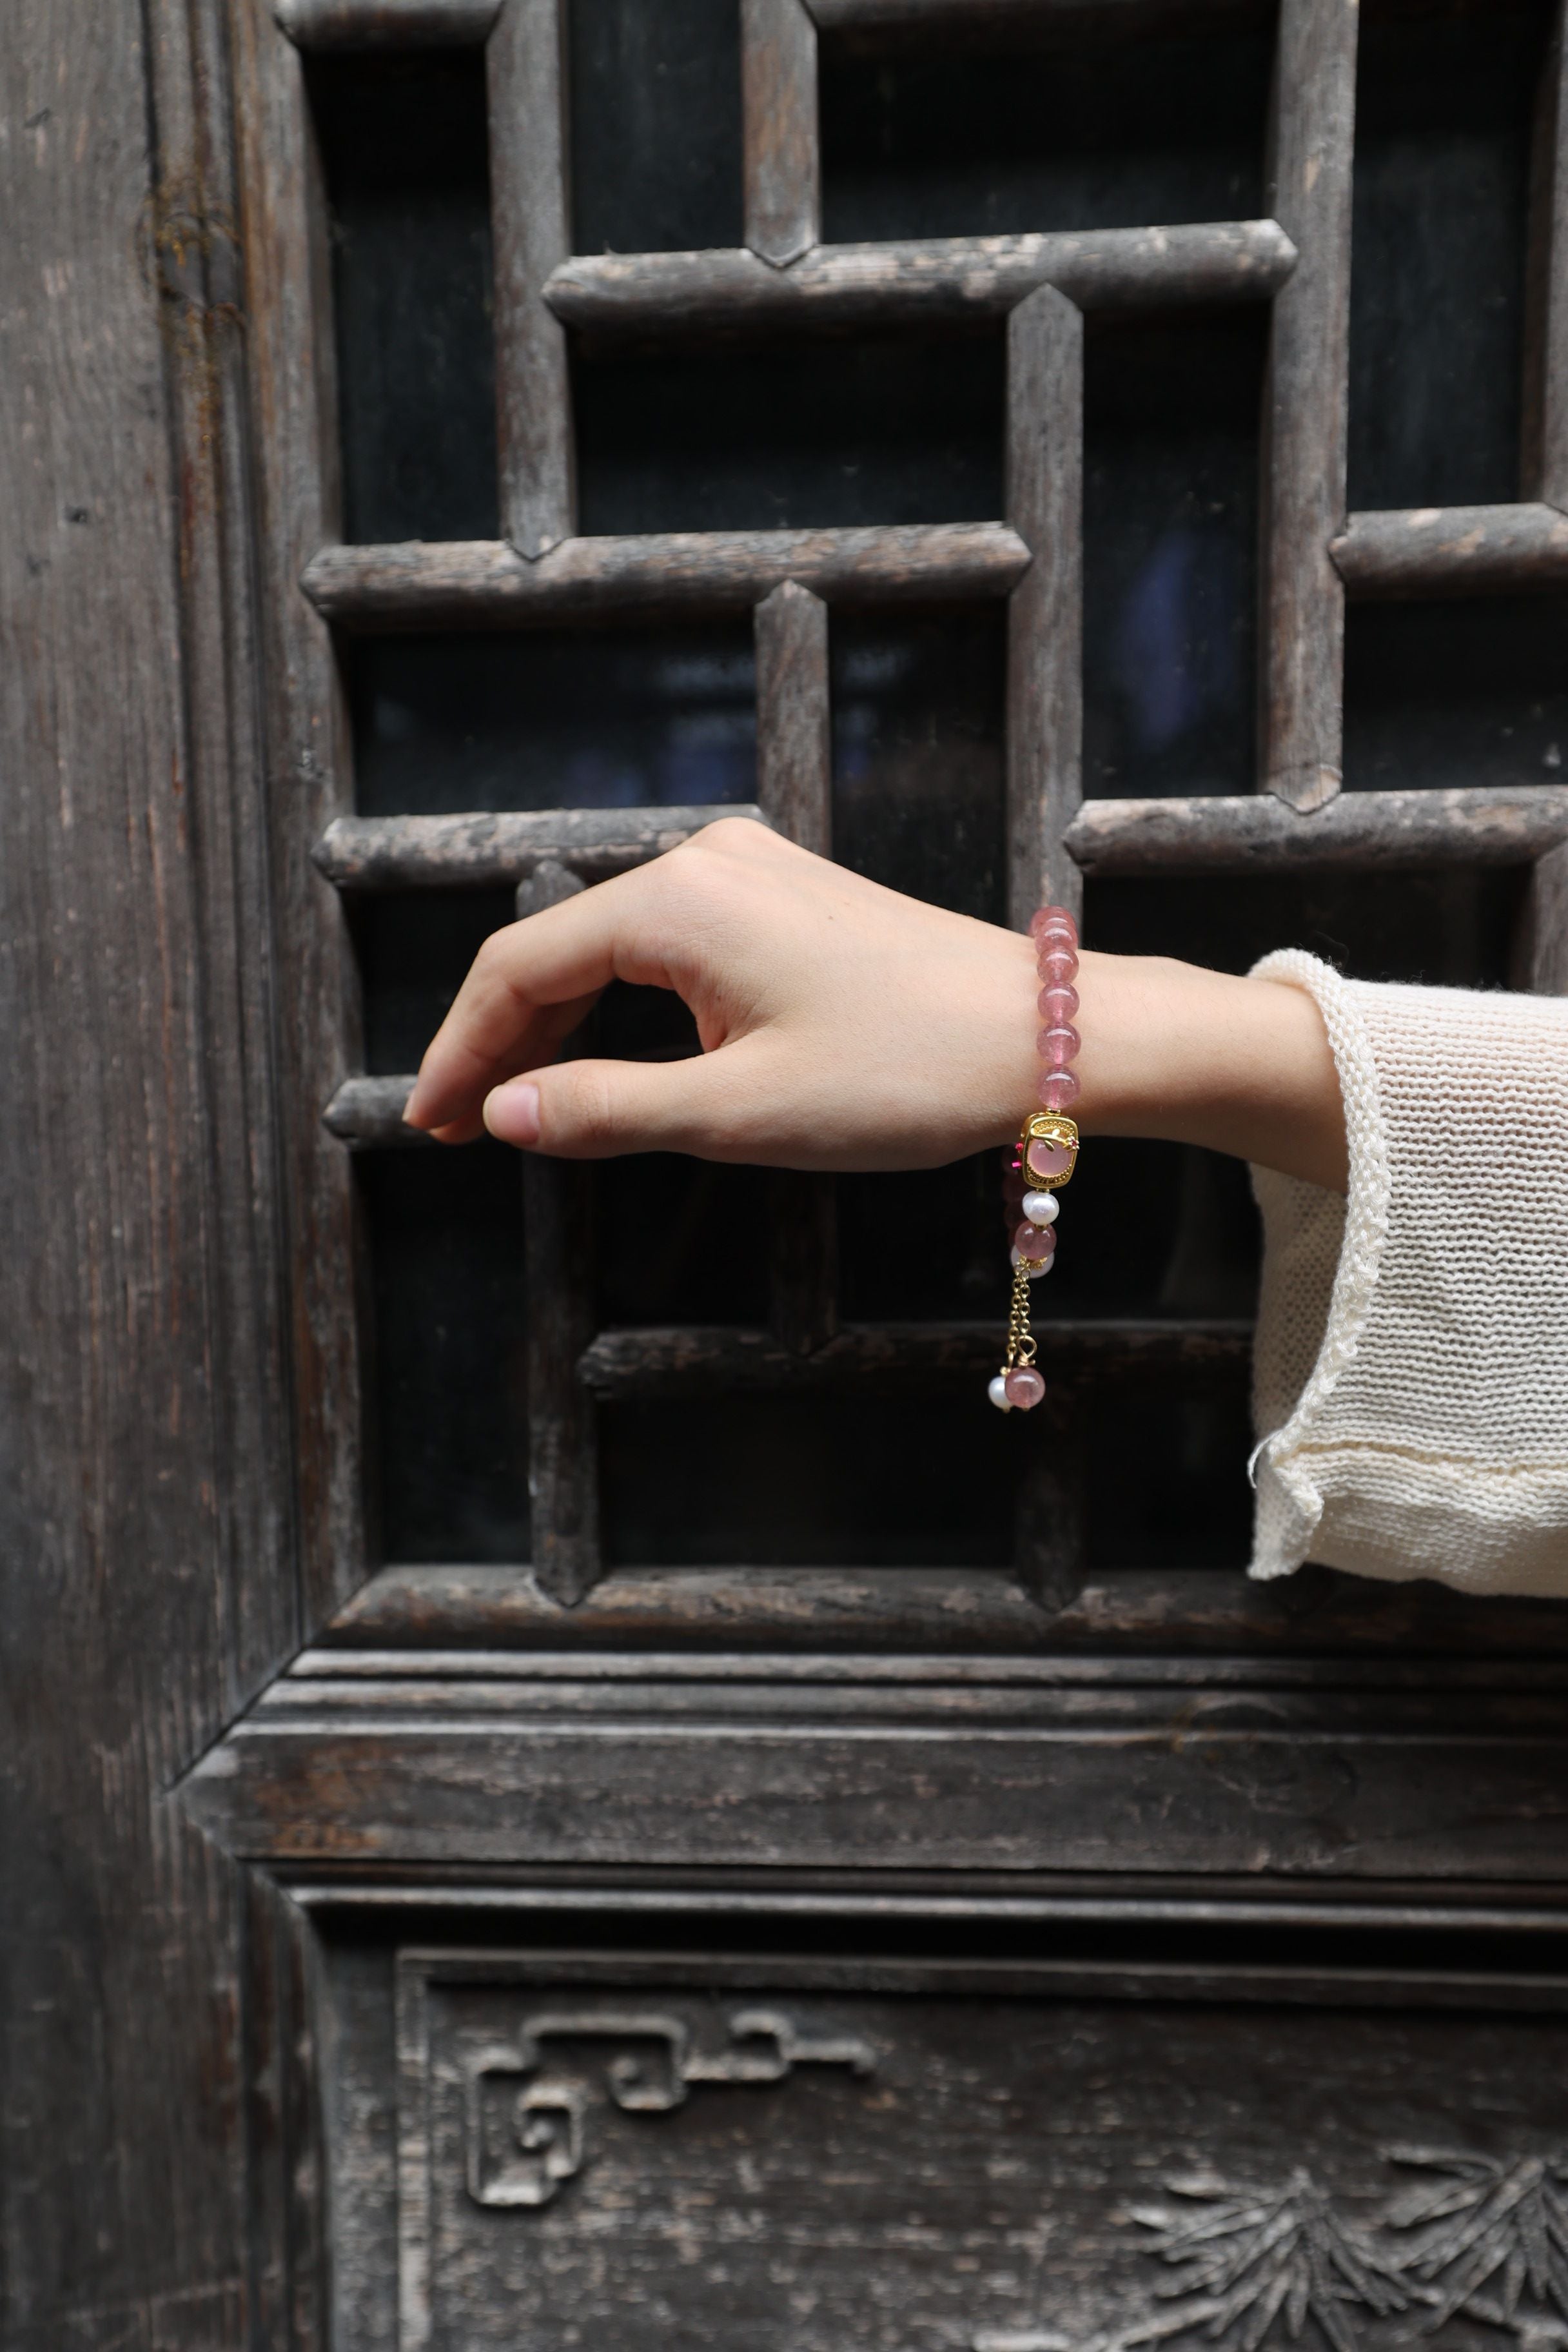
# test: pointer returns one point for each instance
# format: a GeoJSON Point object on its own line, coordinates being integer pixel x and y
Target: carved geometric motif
{"type": "Point", "coordinates": [546, 2109]}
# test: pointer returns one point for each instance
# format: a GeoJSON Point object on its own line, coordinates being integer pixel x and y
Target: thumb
{"type": "Point", "coordinates": [593, 1110]}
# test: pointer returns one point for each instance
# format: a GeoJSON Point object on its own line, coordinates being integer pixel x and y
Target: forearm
{"type": "Point", "coordinates": [1195, 1056]}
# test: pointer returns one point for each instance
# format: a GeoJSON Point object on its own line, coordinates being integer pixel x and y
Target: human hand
{"type": "Point", "coordinates": [844, 1026]}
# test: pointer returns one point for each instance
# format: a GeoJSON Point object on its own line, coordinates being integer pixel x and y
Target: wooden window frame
{"type": "Point", "coordinates": [540, 571]}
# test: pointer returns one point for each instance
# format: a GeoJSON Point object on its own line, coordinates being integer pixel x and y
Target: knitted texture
{"type": "Point", "coordinates": [1411, 1369]}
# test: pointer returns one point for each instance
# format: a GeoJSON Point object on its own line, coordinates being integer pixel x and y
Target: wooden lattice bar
{"type": "Point", "coordinates": [367, 1115]}
{"type": "Point", "coordinates": [525, 80]}
{"type": "Point", "coordinates": [692, 1360]}
{"type": "Point", "coordinates": [794, 790]}
{"type": "Point", "coordinates": [922, 282]}
{"type": "Point", "coordinates": [1044, 612]}
{"type": "Point", "coordinates": [484, 584]}
{"type": "Point", "coordinates": [558, 1249]}
{"type": "Point", "coordinates": [1453, 552]}
{"type": "Point", "coordinates": [405, 853]}
{"type": "Point", "coordinates": [1359, 832]}
{"type": "Point", "coordinates": [389, 25]}
{"type": "Point", "coordinates": [778, 91]}
{"type": "Point", "coordinates": [1312, 137]}
{"type": "Point", "coordinates": [1543, 469]}
{"type": "Point", "coordinates": [795, 750]}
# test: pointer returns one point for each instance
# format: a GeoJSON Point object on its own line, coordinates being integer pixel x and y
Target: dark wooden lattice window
{"type": "Point", "coordinates": [997, 545]}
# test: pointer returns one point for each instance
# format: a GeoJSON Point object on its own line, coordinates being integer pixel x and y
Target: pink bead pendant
{"type": "Point", "coordinates": [1025, 1388]}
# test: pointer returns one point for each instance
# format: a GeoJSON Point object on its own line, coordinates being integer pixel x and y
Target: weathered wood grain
{"type": "Point", "coordinates": [482, 583]}
{"type": "Point", "coordinates": [698, 1360]}
{"type": "Point", "coordinates": [525, 81]}
{"type": "Point", "coordinates": [1044, 612]}
{"type": "Point", "coordinates": [411, 853]}
{"type": "Point", "coordinates": [1359, 1787]}
{"type": "Point", "coordinates": [1403, 832]}
{"type": "Point", "coordinates": [1498, 550]}
{"type": "Point", "coordinates": [795, 751]}
{"type": "Point", "coordinates": [386, 24]}
{"type": "Point", "coordinates": [285, 2088]}
{"type": "Point", "coordinates": [794, 790]}
{"type": "Point", "coordinates": [1311, 134]}
{"type": "Point", "coordinates": [147, 1532]}
{"type": "Point", "coordinates": [1544, 439]}
{"type": "Point", "coordinates": [778, 100]}
{"type": "Point", "coordinates": [1316, 1623]}
{"type": "Point", "coordinates": [293, 396]}
{"type": "Point", "coordinates": [558, 1254]}
{"type": "Point", "coordinates": [922, 281]}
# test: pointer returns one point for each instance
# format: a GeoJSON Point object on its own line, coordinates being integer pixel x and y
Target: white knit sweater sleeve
{"type": "Point", "coordinates": [1410, 1384]}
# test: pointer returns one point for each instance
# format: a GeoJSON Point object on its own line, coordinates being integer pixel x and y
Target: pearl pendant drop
{"type": "Point", "coordinates": [997, 1392]}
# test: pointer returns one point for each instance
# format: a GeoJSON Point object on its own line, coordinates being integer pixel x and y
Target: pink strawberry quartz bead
{"type": "Point", "coordinates": [1023, 1388]}
{"type": "Point", "coordinates": [1057, 1047]}
{"type": "Point", "coordinates": [1058, 1089]}
{"type": "Point", "coordinates": [1058, 966]}
{"type": "Point", "coordinates": [1034, 1241]}
{"type": "Point", "coordinates": [1051, 918]}
{"type": "Point", "coordinates": [1057, 1005]}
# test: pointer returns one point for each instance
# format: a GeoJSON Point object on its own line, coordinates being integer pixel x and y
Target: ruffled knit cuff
{"type": "Point", "coordinates": [1411, 1373]}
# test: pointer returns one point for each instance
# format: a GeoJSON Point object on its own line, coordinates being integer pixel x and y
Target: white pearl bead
{"type": "Point", "coordinates": [1041, 1208]}
{"type": "Point", "coordinates": [997, 1392]}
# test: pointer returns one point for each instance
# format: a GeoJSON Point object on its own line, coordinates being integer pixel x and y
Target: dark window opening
{"type": "Point", "coordinates": [656, 125]}
{"type": "Point", "coordinates": [890, 429]}
{"type": "Point", "coordinates": [936, 139]}
{"type": "Point", "coordinates": [444, 1236]}
{"type": "Point", "coordinates": [859, 1479]}
{"type": "Point", "coordinates": [1443, 104]}
{"type": "Point", "coordinates": [414, 948]}
{"type": "Point", "coordinates": [594, 719]}
{"type": "Point", "coordinates": [1461, 693]}
{"type": "Point", "coordinates": [404, 143]}
{"type": "Point", "coordinates": [1172, 425]}
{"type": "Point", "coordinates": [918, 753]}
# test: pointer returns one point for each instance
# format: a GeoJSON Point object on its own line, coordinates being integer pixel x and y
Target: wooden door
{"type": "Point", "coordinates": [574, 1784]}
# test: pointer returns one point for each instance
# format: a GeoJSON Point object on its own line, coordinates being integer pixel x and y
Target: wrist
{"type": "Point", "coordinates": [1186, 1056]}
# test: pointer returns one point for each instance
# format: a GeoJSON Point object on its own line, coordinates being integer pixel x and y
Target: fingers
{"type": "Point", "coordinates": [594, 1111]}
{"type": "Point", "coordinates": [530, 985]}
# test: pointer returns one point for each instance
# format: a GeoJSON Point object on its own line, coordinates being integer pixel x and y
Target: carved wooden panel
{"type": "Point", "coordinates": [934, 2156]}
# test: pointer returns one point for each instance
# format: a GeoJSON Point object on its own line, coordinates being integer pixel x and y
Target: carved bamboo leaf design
{"type": "Point", "coordinates": [1476, 2222]}
{"type": "Point", "coordinates": [1251, 2256]}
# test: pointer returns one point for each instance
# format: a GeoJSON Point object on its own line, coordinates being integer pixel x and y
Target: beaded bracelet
{"type": "Point", "coordinates": [1042, 1158]}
